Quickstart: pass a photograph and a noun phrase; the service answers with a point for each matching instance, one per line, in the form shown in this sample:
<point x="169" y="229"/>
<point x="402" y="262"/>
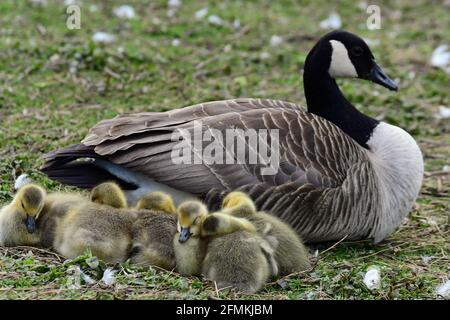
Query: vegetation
<point x="56" y="83"/>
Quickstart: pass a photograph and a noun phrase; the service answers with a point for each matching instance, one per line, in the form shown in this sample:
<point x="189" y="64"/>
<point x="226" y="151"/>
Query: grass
<point x="56" y="83"/>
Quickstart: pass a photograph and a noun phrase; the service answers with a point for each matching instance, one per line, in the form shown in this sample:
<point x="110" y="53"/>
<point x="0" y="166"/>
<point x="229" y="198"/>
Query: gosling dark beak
<point x="377" y="75"/>
<point x="184" y="235"/>
<point x="31" y="224"/>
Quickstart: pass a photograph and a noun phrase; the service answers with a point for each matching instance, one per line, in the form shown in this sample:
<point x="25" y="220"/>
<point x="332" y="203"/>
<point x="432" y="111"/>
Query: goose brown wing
<point x="311" y="150"/>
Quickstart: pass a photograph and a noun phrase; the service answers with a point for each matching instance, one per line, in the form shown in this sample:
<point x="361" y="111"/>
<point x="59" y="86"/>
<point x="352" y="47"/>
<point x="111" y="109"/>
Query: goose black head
<point x="350" y="57"/>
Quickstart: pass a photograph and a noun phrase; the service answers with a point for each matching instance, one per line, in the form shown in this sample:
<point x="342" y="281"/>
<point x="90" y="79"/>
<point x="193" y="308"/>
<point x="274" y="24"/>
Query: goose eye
<point x="357" y="51"/>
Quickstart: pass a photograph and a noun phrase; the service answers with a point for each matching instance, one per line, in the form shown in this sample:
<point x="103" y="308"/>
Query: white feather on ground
<point x="215" y="20"/>
<point x="22" y="180"/>
<point x="426" y="259"/>
<point x="201" y="13"/>
<point x="372" y="278"/>
<point x="176" y="42"/>
<point x="332" y="22"/>
<point x="264" y="55"/>
<point x="42" y="3"/>
<point x="103" y="37"/>
<point x="441" y="58"/>
<point x="444" y="289"/>
<point x="443" y="113"/>
<point x="275" y="40"/>
<point x="109" y="276"/>
<point x="174" y="3"/>
<point x="125" y="12"/>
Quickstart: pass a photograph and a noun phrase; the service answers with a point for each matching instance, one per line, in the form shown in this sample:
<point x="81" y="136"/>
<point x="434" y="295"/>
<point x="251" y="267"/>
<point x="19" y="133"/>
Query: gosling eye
<point x="23" y="207"/>
<point x="356" y="51"/>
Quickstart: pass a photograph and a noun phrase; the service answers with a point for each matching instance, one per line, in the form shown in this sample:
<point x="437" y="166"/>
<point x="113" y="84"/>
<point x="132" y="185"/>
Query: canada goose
<point x="109" y="193"/>
<point x="236" y="259"/>
<point x="289" y="252"/>
<point x="341" y="173"/>
<point x="18" y="219"/>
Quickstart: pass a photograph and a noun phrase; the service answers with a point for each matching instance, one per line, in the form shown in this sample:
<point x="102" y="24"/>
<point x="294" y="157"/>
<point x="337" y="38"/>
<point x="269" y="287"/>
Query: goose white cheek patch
<point x="341" y="65"/>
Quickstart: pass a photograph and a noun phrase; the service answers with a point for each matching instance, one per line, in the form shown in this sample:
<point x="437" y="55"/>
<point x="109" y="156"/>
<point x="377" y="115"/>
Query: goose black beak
<point x="377" y="75"/>
<point x="31" y="224"/>
<point x="184" y="235"/>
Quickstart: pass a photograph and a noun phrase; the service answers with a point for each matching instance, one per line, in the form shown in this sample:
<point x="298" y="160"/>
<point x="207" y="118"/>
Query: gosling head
<point x="109" y="193"/>
<point x="347" y="56"/>
<point x="29" y="202"/>
<point x="190" y="218"/>
<point x="238" y="202"/>
<point x="157" y="200"/>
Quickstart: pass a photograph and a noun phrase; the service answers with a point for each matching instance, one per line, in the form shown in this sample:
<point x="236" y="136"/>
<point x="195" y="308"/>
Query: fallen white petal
<point x="236" y="24"/>
<point x="22" y="180"/>
<point x="372" y="278"/>
<point x="332" y="22"/>
<point x="109" y="276"/>
<point x="103" y="37"/>
<point x="216" y="20"/>
<point x="125" y="12"/>
<point x="444" y="289"/>
<point x="201" y="13"/>
<point x="440" y="57"/>
<point x="275" y="40"/>
<point x="93" y="8"/>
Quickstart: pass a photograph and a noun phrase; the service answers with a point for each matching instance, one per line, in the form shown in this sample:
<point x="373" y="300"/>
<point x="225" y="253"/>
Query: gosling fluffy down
<point x="109" y="193"/>
<point x="18" y="219"/>
<point x="154" y="230"/>
<point x="78" y="224"/>
<point x="290" y="253"/>
<point x="189" y="246"/>
<point x="227" y="255"/>
<point x="237" y="260"/>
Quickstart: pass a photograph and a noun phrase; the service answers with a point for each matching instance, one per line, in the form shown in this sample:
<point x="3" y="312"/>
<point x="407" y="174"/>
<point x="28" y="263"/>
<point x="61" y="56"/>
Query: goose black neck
<point x="325" y="99"/>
